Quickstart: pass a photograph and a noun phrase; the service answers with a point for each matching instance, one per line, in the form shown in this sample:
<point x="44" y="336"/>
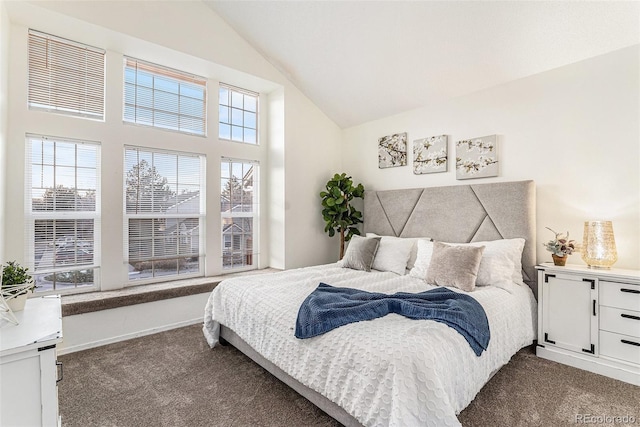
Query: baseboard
<point x="598" y="365"/>
<point x="99" y="343"/>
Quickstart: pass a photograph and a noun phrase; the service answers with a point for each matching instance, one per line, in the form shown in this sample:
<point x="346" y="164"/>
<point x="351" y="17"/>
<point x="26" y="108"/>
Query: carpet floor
<point x="174" y="379"/>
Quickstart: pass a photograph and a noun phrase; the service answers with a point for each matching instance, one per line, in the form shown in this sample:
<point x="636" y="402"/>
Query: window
<point x="164" y="98"/>
<point x="62" y="212"/>
<point x="164" y="213"/>
<point x="240" y="209"/>
<point x="238" y="114"/>
<point x="65" y="76"/>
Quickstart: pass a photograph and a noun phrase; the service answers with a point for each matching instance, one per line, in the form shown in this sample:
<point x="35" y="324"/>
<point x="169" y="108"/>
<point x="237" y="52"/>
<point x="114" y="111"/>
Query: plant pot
<point x="17" y="303"/>
<point x="559" y="260"/>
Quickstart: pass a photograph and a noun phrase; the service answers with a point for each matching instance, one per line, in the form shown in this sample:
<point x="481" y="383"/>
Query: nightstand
<point x="28" y="367"/>
<point x="590" y="319"/>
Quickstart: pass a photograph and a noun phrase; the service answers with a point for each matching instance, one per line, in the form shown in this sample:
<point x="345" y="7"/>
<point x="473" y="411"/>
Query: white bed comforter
<point x="391" y="371"/>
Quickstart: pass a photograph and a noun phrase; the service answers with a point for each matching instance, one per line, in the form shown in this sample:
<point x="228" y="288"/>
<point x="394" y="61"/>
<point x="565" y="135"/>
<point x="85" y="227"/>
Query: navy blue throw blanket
<point x="328" y="307"/>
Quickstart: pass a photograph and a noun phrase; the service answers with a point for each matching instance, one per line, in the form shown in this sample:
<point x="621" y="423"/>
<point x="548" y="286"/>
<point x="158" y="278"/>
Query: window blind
<point x="63" y="212"/>
<point x="65" y="76"/>
<point x="239" y="209"/>
<point x="164" y="98"/>
<point x="164" y="212"/>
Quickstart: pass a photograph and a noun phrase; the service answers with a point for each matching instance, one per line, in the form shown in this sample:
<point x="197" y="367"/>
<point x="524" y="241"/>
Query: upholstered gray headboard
<point x="461" y="213"/>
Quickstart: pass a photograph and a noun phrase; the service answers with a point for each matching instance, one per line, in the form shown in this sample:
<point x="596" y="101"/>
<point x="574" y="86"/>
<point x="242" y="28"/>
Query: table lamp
<point x="598" y="245"/>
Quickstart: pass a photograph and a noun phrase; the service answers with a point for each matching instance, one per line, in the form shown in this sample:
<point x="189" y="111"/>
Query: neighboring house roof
<point x="173" y="203"/>
<point x="231" y="228"/>
<point x="248" y="177"/>
<point x="242" y="208"/>
<point x="173" y="228"/>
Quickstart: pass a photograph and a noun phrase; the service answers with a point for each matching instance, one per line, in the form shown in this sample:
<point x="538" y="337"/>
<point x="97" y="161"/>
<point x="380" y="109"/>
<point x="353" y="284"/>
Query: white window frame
<point x="254" y="214"/>
<point x="51" y="60"/>
<point x="229" y="114"/>
<point x="133" y="216"/>
<point x="32" y="216"/>
<point x="164" y="73"/>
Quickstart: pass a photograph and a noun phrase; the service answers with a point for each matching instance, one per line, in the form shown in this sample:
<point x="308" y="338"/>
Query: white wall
<point x="574" y="130"/>
<point x="277" y="179"/>
<point x="4" y="87"/>
<point x="93" y="329"/>
<point x="312" y="157"/>
<point x="198" y="41"/>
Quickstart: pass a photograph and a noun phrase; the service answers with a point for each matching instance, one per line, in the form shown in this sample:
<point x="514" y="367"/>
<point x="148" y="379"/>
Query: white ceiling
<point x="363" y="60"/>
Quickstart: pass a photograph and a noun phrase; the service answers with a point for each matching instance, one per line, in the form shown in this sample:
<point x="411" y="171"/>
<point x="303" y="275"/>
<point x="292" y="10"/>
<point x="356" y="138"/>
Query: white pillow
<point x="501" y="261"/>
<point x="414" y="246"/>
<point x="423" y="259"/>
<point x="392" y="255"/>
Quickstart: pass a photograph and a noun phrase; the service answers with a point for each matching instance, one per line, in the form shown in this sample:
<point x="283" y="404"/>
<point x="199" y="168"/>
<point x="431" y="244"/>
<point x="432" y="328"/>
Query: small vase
<point x="17" y="303"/>
<point x="559" y="260"/>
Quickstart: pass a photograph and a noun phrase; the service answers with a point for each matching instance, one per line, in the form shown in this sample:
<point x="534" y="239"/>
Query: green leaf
<point x="337" y="211"/>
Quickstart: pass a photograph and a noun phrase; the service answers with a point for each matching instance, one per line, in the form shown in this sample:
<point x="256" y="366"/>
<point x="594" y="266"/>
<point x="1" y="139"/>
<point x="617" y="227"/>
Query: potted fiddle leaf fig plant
<point x="339" y="214"/>
<point x="16" y="285"/>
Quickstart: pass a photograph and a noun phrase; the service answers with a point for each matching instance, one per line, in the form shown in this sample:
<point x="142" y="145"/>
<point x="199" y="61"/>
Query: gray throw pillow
<point x="454" y="266"/>
<point x="360" y="253"/>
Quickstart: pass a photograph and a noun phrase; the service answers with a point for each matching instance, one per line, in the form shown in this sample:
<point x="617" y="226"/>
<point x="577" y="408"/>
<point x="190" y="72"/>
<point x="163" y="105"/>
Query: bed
<point x="393" y="370"/>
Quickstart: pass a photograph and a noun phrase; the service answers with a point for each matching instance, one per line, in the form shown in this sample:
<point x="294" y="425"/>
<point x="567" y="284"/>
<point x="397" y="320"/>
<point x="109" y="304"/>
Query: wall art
<point x="477" y="157"/>
<point x="392" y="150"/>
<point x="430" y="155"/>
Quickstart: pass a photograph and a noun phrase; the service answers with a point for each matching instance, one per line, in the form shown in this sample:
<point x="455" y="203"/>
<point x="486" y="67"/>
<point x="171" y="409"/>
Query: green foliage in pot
<point x="339" y="215"/>
<point x="13" y="274"/>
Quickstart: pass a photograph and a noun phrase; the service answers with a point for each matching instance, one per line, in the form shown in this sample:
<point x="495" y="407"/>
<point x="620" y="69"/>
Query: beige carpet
<point x="174" y="379"/>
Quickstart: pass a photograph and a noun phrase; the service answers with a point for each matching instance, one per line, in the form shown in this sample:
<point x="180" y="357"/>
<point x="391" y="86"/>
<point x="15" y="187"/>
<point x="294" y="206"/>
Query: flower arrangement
<point x="561" y="246"/>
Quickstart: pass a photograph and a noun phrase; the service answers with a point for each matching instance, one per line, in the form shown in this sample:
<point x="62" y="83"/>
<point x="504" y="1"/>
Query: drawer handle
<point x="628" y="316"/>
<point x="630" y="291"/>
<point x="637" y="344"/>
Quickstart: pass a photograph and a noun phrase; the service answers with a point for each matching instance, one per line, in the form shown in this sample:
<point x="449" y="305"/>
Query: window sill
<point x="96" y="301"/>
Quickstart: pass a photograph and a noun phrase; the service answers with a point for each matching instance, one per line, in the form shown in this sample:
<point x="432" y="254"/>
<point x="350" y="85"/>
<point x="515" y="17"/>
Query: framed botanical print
<point x="392" y="150"/>
<point x="430" y="155"/>
<point x="477" y="157"/>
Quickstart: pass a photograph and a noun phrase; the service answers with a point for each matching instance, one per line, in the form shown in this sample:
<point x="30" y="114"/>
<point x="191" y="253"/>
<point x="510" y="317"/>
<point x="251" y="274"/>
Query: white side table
<point x="590" y="319"/>
<point x="28" y="366"/>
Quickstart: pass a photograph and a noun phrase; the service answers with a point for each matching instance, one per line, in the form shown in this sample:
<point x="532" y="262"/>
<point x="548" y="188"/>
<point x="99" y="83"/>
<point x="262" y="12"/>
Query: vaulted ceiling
<point x="364" y="60"/>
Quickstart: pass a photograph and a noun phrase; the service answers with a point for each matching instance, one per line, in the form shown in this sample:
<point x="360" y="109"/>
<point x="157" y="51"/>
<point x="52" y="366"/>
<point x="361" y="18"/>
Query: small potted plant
<point x="560" y="247"/>
<point x="16" y="285"/>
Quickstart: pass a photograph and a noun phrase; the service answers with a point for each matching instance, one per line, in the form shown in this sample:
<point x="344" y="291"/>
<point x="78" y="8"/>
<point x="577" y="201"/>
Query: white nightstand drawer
<point x="620" y="295"/>
<point x="619" y="346"/>
<point x="626" y="322"/>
